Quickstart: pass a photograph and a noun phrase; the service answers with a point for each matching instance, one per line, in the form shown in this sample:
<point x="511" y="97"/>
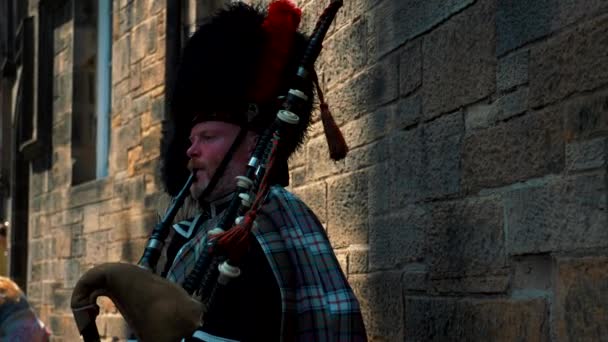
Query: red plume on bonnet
<point x="280" y="26"/>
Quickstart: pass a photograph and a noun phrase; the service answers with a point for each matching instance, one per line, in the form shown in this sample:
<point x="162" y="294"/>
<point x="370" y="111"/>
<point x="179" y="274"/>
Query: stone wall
<point x="109" y="219"/>
<point x="472" y="205"/>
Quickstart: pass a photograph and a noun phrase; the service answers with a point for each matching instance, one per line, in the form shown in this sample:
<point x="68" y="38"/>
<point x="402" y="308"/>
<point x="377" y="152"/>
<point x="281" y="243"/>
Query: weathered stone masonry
<point x="473" y="204"/>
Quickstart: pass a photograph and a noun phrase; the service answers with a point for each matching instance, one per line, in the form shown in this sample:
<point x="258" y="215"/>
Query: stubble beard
<point x="225" y="185"/>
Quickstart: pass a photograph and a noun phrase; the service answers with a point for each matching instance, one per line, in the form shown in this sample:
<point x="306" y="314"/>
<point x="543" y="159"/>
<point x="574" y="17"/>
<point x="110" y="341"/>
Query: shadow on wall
<point x="476" y="178"/>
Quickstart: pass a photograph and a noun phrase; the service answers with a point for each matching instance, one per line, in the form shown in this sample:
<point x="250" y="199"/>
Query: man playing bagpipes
<point x="255" y="264"/>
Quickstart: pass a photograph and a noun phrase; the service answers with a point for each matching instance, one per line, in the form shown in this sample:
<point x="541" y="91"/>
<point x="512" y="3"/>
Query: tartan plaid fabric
<point x="318" y="303"/>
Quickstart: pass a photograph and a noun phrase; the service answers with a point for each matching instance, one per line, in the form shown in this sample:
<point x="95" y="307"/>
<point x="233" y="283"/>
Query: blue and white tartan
<point x="317" y="302"/>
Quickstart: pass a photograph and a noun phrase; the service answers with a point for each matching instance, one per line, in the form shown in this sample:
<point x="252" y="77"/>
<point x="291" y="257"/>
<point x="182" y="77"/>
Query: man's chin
<point x="197" y="190"/>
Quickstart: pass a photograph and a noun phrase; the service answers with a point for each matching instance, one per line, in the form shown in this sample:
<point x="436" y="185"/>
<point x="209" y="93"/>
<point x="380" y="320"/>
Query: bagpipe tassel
<point x="335" y="140"/>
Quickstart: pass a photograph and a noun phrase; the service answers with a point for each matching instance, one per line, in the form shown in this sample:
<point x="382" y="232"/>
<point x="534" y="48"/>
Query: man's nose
<point x="193" y="151"/>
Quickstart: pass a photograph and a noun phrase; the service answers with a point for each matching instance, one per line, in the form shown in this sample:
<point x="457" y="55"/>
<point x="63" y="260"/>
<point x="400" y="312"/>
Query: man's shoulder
<point x="286" y="210"/>
<point x="280" y="194"/>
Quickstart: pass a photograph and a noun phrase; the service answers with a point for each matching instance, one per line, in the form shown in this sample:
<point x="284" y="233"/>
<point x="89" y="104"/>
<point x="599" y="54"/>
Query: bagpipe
<point x="159" y="310"/>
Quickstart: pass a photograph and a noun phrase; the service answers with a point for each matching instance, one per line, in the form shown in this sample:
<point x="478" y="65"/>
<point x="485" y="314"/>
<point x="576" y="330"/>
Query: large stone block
<point x="442" y="153"/>
<point x="350" y="12"/>
<point x="50" y="249"/>
<point x="447" y="319"/>
<point x="407" y="112"/>
<point x="139" y="39"/>
<point x="130" y="191"/>
<point x="368" y="128"/>
<point x="347" y="220"/>
<point x="54" y="201"/>
<point x="91" y="218"/>
<point x="478" y="116"/>
<point x="96" y="248"/>
<point x="112" y="220"/>
<point x="78" y="246"/>
<point x="113" y="327"/>
<point x="486" y="114"/>
<point x="35" y="273"/>
<point x="410" y="67"/>
<point x="90" y="192"/>
<point x="62" y="132"/>
<point x="121" y="50"/>
<point x="72" y="271"/>
<point x="563" y="215"/>
<point x="63" y="327"/>
<point x="63" y="35"/>
<point x="397" y="238"/>
<point x="509" y="105"/>
<point x="158" y="109"/>
<point x="155" y="6"/>
<point x="131" y="225"/>
<point x="368" y="155"/>
<point x="532" y="275"/>
<point x="522" y="148"/>
<point x="425" y="161"/>
<point x="129" y="135"/>
<point x="152" y="76"/>
<point x="297" y="176"/>
<point x="571" y="62"/>
<point x="587" y="155"/>
<point x="466" y="237"/>
<point x="379" y="190"/>
<point x="414" y="278"/>
<point x="36" y="250"/>
<point x="125" y="22"/>
<point x="323" y="166"/>
<point x="586" y="117"/>
<point x="139" y="105"/>
<point x="519" y="22"/>
<point x="63" y="241"/>
<point x="358" y="259"/>
<point x="62" y="101"/>
<point x="459" y="63"/>
<point x="39" y="225"/>
<point x="126" y="251"/>
<point x="151" y="142"/>
<point x="140" y="10"/>
<point x="344" y="53"/>
<point x="48" y="289"/>
<point x="34" y="291"/>
<point x="315" y="196"/>
<point x="121" y="101"/>
<point x="396" y="22"/>
<point x="382" y="304"/>
<point x="67" y="217"/>
<point x="52" y="271"/>
<point x="367" y="91"/>
<point x="496" y="283"/>
<point x="406" y="169"/>
<point x="581" y="305"/>
<point x="512" y="70"/>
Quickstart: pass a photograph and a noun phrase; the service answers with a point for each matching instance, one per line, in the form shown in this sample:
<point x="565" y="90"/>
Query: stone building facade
<point x="473" y="204"/>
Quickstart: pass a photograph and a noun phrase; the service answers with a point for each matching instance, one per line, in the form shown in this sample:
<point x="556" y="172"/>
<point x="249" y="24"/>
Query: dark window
<point x="84" y="120"/>
<point x="91" y="89"/>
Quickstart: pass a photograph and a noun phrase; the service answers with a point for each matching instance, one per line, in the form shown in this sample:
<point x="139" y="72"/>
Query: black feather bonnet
<point x="219" y="67"/>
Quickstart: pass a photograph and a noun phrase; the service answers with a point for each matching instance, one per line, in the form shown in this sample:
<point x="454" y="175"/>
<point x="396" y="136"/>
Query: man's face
<point x="210" y="141"/>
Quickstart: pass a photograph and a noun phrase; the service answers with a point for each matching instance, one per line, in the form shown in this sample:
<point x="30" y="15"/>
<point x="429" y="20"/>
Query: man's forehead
<point x="213" y="126"/>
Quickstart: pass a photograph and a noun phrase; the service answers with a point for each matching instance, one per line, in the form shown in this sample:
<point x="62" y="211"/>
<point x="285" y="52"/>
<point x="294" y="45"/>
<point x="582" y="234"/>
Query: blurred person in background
<point x="18" y="322"/>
